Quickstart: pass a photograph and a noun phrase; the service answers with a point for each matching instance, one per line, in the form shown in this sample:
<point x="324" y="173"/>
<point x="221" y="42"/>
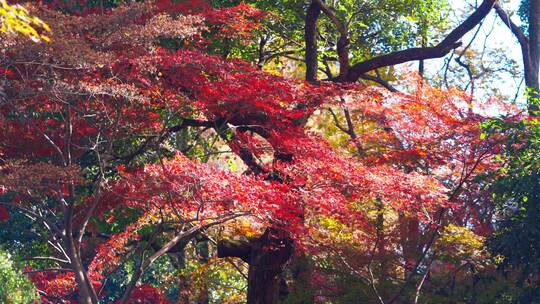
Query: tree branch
<point x="342" y="46"/>
<point x="167" y="247"/>
<point x="186" y="122"/>
<point x="234" y="248"/>
<point x="523" y="42"/>
<point x="440" y="50"/>
<point x="380" y="81"/>
<point x="522" y="39"/>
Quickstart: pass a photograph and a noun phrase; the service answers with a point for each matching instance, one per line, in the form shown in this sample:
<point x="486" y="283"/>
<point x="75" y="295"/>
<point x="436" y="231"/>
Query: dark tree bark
<point x="203" y="255"/>
<point x="342" y="45"/>
<point x="530" y="49"/>
<point x="267" y="257"/>
<point x="440" y="50"/>
<point x="310" y="36"/>
<point x="356" y="71"/>
<point x="534" y="46"/>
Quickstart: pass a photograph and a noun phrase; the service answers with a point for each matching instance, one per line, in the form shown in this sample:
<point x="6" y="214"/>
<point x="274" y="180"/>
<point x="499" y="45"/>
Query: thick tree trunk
<point x="529" y="48"/>
<point x="267" y="257"/>
<point x="312" y="63"/>
<point x="269" y="254"/>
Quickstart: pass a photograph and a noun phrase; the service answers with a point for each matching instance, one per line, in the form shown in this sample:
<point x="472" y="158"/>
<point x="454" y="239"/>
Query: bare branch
<point x="522" y="39"/>
<point x="380" y="81"/>
<point x="440" y="50"/>
<point x="48" y="258"/>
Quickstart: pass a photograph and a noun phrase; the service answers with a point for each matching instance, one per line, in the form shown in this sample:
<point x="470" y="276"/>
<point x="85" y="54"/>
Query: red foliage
<point x="4" y="213"/>
<point x="421" y="147"/>
<point x="235" y="22"/>
<point x="146" y="294"/>
<point x="6" y="72"/>
<point x="185" y="7"/>
<point x="57" y="285"/>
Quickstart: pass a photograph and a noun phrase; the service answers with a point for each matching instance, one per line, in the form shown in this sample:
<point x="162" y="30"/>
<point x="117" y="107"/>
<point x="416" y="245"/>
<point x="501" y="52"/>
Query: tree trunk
<point x="531" y="71"/>
<point x="267" y="257"/>
<point x="410" y="240"/>
<point x="269" y="254"/>
<point x="203" y="255"/>
<point x="87" y="294"/>
<point x="530" y="49"/>
<point x="312" y="63"/>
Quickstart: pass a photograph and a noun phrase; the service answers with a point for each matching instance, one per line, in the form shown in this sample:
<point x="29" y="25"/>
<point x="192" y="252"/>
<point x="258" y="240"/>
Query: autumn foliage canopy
<point x="129" y="135"/>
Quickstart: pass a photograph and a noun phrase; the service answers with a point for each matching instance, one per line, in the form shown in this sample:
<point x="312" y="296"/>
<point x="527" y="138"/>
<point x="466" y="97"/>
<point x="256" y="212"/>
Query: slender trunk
<point x="410" y="240"/>
<point x="312" y="63"/>
<point x="531" y="71"/>
<point x="203" y="254"/>
<point x="84" y="294"/>
<point x="87" y="294"/>
<point x="381" y="242"/>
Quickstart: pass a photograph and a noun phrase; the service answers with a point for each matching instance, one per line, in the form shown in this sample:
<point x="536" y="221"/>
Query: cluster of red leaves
<point x="109" y="254"/>
<point x="4" y="213"/>
<point x="57" y="285"/>
<point x="231" y="89"/>
<point x="332" y="182"/>
<point x="146" y="294"/>
<point x="31" y="181"/>
<point x="207" y="193"/>
<point x="184" y="7"/>
<point x="228" y="22"/>
<point x="85" y="7"/>
<point x="421" y="141"/>
<point x="434" y="132"/>
<point x="135" y="103"/>
<point x="184" y="190"/>
<point x="429" y="125"/>
<point x="235" y="92"/>
<point x="6" y="72"/>
<point x="236" y="22"/>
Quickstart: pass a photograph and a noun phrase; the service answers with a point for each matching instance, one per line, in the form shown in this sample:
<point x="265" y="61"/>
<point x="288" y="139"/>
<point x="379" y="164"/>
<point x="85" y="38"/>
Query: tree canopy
<point x="264" y="152"/>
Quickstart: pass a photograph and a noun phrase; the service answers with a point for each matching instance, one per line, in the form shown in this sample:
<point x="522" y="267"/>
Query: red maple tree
<point x="88" y="128"/>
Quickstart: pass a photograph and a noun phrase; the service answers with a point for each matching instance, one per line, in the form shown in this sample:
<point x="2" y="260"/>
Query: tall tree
<point x="530" y="47"/>
<point x="137" y="130"/>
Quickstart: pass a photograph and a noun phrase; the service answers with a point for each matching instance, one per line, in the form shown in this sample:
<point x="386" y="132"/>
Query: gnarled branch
<point x="440" y="50"/>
